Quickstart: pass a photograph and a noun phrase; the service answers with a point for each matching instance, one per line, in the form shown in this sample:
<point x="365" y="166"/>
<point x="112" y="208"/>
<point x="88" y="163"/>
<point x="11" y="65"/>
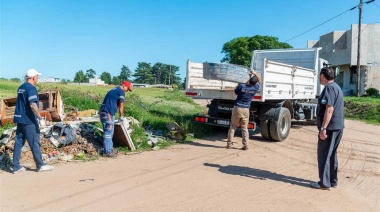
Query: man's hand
<point x="322" y="135"/>
<point x="121" y="119"/>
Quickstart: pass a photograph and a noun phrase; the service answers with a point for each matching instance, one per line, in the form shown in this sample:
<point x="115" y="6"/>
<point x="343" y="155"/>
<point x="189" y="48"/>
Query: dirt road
<point x="204" y="176"/>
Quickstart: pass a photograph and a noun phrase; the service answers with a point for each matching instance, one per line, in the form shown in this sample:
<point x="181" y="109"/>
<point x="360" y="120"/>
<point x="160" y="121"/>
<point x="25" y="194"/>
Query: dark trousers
<point x="328" y="158"/>
<point x="31" y="133"/>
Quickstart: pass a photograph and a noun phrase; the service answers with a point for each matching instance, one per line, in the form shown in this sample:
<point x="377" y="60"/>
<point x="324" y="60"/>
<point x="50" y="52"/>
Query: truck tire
<point x="264" y="129"/>
<point x="279" y="130"/>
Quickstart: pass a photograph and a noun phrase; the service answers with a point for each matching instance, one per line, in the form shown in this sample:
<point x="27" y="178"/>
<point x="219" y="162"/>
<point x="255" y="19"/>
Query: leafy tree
<point x="183" y="84"/>
<point x="90" y="73"/>
<point x="169" y="75"/>
<point x="15" y="80"/>
<point x="157" y="70"/>
<point x="116" y="80"/>
<point x="143" y="73"/>
<point x="80" y="77"/>
<point x="106" y="77"/>
<point x="239" y="50"/>
<point x="125" y="73"/>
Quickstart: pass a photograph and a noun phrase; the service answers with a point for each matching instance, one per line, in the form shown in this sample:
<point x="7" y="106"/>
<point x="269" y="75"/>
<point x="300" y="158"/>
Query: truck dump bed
<point x="286" y="74"/>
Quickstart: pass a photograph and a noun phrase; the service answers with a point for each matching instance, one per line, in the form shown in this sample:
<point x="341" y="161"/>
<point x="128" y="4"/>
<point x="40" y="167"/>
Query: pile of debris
<point x="59" y="142"/>
<point x="72" y="136"/>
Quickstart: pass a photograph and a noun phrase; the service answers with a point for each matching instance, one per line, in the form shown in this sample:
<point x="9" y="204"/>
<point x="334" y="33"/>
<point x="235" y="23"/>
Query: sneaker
<point x="45" y="168"/>
<point x="317" y="186"/>
<point x="110" y="155"/>
<point x="229" y="145"/>
<point x="22" y="169"/>
<point x="244" y="148"/>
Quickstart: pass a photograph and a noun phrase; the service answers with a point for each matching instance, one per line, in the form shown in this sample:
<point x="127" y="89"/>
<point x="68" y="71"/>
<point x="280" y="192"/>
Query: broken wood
<point x="122" y="137"/>
<point x="50" y="106"/>
<point x="87" y="113"/>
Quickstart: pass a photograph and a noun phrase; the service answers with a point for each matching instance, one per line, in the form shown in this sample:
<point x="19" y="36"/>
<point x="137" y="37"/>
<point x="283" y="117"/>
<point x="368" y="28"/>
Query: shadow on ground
<point x="259" y="174"/>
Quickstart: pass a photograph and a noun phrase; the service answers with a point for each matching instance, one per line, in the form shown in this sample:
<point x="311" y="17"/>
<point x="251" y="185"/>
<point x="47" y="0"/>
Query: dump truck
<point x="289" y="89"/>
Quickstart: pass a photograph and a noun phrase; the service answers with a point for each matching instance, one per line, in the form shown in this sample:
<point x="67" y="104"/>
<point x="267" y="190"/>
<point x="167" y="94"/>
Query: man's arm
<point x="258" y="78"/>
<point x="121" y="109"/>
<point x="34" y="108"/>
<point x="255" y="73"/>
<point x="326" y="120"/>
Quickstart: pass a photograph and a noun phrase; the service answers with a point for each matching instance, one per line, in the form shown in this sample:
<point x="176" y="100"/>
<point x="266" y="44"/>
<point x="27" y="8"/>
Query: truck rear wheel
<point x="279" y="130"/>
<point x="264" y="129"/>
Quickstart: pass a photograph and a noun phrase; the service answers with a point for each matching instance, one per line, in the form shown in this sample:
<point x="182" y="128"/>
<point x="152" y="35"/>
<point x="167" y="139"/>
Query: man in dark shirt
<point x="240" y="112"/>
<point x="113" y="100"/>
<point x="26" y="115"/>
<point x="330" y="119"/>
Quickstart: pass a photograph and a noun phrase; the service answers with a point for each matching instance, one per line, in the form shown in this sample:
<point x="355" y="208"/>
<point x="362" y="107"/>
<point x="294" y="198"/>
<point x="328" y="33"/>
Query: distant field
<point x="167" y="104"/>
<point x="153" y="107"/>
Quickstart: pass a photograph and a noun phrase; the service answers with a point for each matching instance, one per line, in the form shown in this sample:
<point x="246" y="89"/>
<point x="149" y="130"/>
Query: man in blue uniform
<point x="113" y="100"/>
<point x="330" y="125"/>
<point x="240" y="112"/>
<point x="26" y="115"/>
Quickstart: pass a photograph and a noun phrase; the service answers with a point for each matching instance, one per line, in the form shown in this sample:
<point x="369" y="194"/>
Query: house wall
<point x="369" y="44"/>
<point x="339" y="48"/>
<point x="373" y="77"/>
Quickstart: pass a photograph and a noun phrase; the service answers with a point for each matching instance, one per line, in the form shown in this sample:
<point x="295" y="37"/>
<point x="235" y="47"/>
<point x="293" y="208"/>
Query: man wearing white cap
<point x="26" y="115"/>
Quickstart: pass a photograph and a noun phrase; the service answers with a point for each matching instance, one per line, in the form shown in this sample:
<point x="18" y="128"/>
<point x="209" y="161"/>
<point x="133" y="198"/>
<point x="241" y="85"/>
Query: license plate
<point x="223" y="122"/>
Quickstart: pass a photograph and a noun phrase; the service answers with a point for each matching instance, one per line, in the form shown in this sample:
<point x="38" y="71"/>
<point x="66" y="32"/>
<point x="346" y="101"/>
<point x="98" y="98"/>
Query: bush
<point x="372" y="92"/>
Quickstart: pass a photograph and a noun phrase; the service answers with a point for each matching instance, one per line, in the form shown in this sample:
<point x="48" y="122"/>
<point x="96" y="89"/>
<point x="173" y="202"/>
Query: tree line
<point x="159" y="73"/>
<point x="237" y="51"/>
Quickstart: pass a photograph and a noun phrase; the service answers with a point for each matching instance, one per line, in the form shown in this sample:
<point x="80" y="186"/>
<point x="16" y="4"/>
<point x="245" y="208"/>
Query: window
<point x="353" y="75"/>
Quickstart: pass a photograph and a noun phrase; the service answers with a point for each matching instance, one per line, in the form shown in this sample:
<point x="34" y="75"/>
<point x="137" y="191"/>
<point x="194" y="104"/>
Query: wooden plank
<point x="50" y="106"/>
<point x="121" y="136"/>
<point x="59" y="103"/>
<point x="2" y="109"/>
<point x="86" y="113"/>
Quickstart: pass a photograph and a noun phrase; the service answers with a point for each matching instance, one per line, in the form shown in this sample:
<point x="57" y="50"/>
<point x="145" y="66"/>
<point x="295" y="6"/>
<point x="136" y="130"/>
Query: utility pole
<point x="358" y="56"/>
<point x="360" y="7"/>
<point x="170" y="70"/>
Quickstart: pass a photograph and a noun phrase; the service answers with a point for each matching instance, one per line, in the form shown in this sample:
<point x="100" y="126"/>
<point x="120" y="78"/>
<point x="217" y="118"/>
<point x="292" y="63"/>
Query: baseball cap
<point x="32" y="72"/>
<point x="128" y="84"/>
<point x="253" y="80"/>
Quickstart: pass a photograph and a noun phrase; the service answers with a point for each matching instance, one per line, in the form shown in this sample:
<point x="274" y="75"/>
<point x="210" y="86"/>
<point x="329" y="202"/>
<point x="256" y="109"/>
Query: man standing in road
<point x="240" y="112"/>
<point x="330" y="124"/>
<point x="26" y="115"/>
<point x="113" y="100"/>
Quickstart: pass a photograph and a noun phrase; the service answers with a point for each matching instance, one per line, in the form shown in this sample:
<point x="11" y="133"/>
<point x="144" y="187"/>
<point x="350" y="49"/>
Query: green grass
<point x="8" y="88"/>
<point x="153" y="107"/>
<point x="365" y="109"/>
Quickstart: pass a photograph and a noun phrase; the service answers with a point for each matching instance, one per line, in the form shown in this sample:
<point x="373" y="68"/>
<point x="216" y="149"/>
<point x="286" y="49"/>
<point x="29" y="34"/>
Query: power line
<point x="321" y="23"/>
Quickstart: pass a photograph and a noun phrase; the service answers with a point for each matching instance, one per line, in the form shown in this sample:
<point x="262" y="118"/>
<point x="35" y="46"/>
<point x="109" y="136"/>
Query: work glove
<point x="42" y="123"/>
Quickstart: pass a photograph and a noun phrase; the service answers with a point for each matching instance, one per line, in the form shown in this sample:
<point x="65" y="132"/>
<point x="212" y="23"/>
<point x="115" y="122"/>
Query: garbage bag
<point x="63" y="133"/>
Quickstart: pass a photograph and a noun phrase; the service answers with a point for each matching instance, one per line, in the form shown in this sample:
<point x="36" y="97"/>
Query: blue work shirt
<point x="332" y="95"/>
<point x="26" y="94"/>
<point x="245" y="94"/>
<point x="112" y="100"/>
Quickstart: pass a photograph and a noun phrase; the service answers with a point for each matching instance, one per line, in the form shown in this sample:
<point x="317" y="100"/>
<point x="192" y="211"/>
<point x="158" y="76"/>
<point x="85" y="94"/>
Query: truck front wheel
<point x="279" y="130"/>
